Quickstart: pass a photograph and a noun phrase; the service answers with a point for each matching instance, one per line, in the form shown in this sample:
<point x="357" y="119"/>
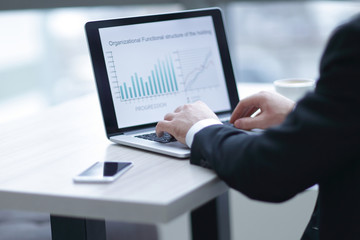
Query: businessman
<point x="317" y="142"/>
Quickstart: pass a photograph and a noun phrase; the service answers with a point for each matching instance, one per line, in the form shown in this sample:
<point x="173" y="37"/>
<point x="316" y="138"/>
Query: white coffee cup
<point x="294" y="88"/>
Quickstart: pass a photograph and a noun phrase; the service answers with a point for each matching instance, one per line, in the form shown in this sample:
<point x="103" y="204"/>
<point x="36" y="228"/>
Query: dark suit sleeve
<point x="319" y="138"/>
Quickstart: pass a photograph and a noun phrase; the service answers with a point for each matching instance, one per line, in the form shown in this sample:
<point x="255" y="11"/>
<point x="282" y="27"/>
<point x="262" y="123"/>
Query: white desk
<point x="39" y="156"/>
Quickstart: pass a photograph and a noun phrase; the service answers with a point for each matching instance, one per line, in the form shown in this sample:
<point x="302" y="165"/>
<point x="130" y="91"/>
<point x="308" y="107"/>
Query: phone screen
<point x="103" y="171"/>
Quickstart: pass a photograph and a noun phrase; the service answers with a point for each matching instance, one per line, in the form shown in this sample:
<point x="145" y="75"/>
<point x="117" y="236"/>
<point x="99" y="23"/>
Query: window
<point x="44" y="56"/>
<point x="273" y="40"/>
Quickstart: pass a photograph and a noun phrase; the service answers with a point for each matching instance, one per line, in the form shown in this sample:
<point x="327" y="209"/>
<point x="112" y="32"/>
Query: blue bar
<point x="126" y="93"/>
<point x="122" y="93"/>
<point x="168" y="68"/>
<point x="166" y="77"/>
<point x="133" y="83"/>
<point x="153" y="77"/>
<point x="162" y="77"/>
<point x="151" y="87"/>
<point x="137" y="84"/>
<point x="173" y="70"/>
<point x="158" y="79"/>
<point x="131" y="96"/>
<point x="142" y="86"/>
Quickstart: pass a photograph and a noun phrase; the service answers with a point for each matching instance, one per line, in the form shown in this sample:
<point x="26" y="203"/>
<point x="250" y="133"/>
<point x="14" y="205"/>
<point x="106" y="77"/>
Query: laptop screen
<point x="157" y="66"/>
<point x="147" y="66"/>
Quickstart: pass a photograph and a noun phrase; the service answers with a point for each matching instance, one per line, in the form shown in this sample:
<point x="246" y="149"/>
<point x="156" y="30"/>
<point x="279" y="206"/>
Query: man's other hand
<point x="273" y="110"/>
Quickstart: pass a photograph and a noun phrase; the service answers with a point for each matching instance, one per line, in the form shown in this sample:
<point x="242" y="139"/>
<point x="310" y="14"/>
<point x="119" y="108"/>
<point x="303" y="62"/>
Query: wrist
<point x="198" y="126"/>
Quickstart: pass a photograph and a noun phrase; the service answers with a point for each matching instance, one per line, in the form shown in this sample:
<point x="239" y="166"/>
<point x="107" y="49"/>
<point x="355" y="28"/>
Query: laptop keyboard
<point x="166" y="138"/>
<point x="227" y="123"/>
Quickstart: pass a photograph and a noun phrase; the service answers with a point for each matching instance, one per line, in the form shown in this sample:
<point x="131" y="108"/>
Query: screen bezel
<point x="100" y="71"/>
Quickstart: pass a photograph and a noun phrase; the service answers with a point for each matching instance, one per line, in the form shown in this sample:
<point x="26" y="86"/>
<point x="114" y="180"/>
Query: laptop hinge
<point x="115" y="134"/>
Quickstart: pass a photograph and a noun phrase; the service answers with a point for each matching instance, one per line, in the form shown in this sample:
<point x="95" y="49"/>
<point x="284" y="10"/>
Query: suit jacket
<point x="318" y="143"/>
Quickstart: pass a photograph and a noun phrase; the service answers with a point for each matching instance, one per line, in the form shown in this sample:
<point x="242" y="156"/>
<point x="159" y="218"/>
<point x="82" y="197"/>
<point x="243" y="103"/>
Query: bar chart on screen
<point x="176" y="72"/>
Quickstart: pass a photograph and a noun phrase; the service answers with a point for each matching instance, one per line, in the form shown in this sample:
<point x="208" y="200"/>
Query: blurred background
<point x="44" y="57"/>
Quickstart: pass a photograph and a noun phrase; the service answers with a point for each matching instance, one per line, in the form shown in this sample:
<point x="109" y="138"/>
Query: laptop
<point x="147" y="66"/>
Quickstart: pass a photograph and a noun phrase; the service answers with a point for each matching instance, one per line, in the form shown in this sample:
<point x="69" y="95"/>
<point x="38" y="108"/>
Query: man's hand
<point x="274" y="109"/>
<point x="178" y="123"/>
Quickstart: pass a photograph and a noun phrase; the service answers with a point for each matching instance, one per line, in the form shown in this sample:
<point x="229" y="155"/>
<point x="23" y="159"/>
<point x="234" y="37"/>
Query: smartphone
<point x="103" y="172"/>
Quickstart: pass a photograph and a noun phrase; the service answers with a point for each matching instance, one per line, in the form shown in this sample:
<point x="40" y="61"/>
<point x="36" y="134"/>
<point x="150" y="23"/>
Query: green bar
<point x="153" y="77"/>
<point x="126" y="93"/>
<point x="158" y="79"/>
<point x="131" y="96"/>
<point x="166" y="77"/>
<point x="168" y="68"/>
<point x="142" y="86"/>
<point x="133" y="83"/>
<point x="137" y="84"/>
<point x="151" y="87"/>
<point x="162" y="77"/>
<point x="173" y="70"/>
<point x="122" y="93"/>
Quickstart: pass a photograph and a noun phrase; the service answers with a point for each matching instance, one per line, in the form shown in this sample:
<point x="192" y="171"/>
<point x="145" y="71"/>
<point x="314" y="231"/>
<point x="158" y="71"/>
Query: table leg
<point x="77" y="228"/>
<point x="211" y="221"/>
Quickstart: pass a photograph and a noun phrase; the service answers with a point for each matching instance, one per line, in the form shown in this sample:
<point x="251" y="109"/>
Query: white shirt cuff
<point x="197" y="127"/>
